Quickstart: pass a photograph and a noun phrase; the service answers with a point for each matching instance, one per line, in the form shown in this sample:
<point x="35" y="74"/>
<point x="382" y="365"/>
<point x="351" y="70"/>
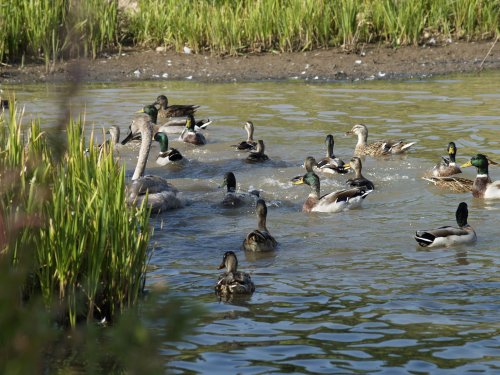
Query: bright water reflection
<point x="347" y="292"/>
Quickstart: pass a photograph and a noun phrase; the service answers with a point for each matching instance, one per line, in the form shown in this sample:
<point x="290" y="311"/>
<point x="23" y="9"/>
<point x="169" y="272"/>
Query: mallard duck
<point x="447" y="236"/>
<point x="447" y="167"/>
<point x="359" y="180"/>
<point x="260" y="239"/>
<point x="190" y="135"/>
<point x="378" y="148"/>
<point x="232" y="198"/>
<point x="166" y="155"/>
<point x="334" y="202"/>
<point x="249" y="144"/>
<point x="330" y="164"/>
<point x="161" y="195"/>
<point x="310" y="165"/>
<point x="233" y="281"/>
<point x="483" y="187"/>
<point x="179" y="110"/>
<point x="257" y="156"/>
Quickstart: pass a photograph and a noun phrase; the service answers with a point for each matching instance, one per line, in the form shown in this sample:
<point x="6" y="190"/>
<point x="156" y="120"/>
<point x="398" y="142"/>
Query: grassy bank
<point x="48" y="30"/>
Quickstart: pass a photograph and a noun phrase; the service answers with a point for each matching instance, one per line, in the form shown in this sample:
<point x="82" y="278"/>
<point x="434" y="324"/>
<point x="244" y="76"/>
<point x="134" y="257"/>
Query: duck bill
<point x="222" y="265"/>
<point x="298" y="180"/>
<point x="140" y="111"/>
<point x="451" y="151"/>
<point x="347" y="166"/>
<point x="349" y="133"/>
<point x="128" y="138"/>
<point x="468" y="164"/>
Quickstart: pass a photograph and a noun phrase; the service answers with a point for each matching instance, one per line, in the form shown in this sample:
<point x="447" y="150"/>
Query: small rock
<point x="358" y="62"/>
<point x="187" y="50"/>
<point x="165" y="75"/>
<point x="189" y="77"/>
<point x="137" y="73"/>
<point x="156" y="76"/>
<point x="380" y="74"/>
<point x="161" y="49"/>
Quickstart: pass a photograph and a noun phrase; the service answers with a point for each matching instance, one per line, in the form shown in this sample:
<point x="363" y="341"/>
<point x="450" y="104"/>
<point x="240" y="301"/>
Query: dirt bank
<point x="372" y="62"/>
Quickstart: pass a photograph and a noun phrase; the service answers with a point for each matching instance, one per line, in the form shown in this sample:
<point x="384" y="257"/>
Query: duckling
<point x="232" y="198"/>
<point x="258" y="155"/>
<point x="447" y="236"/>
<point x="330" y="164"/>
<point x="190" y="135"/>
<point x="334" y="202"/>
<point x="178" y="110"/>
<point x="483" y="187"/>
<point x="166" y="155"/>
<point x="233" y="281"/>
<point x="260" y="239"/>
<point x="359" y="180"/>
<point x="249" y="144"/>
<point x="378" y="148"/>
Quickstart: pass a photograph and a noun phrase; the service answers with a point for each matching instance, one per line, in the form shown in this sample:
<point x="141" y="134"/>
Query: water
<point x="347" y="292"/>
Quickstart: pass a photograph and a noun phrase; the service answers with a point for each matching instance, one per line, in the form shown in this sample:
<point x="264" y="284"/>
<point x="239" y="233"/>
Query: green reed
<point x="87" y="247"/>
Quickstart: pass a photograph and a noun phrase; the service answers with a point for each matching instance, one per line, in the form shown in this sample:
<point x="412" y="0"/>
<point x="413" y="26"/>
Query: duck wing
<point x="361" y="183"/>
<point x="151" y="184"/>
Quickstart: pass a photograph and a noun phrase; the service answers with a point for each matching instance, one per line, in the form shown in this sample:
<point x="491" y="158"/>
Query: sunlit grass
<point x="87" y="247"/>
<point x="48" y="30"/>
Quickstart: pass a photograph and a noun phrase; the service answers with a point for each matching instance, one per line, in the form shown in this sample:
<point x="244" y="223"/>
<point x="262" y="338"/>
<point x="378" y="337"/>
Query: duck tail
<point x="424" y="239"/>
<point x="407" y="146"/>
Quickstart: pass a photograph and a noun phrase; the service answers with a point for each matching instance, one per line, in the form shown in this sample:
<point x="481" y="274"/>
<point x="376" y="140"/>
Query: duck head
<point x="229" y="262"/>
<point x="162" y="101"/>
<point x="480" y="162"/>
<point x="162" y="139"/>
<point x="229" y="181"/>
<point x="452" y="151"/>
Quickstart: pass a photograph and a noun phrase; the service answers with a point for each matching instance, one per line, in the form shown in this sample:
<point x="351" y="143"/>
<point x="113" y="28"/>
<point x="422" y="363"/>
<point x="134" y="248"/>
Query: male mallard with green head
<point x="447" y="235"/>
<point x="178" y="110"/>
<point x="377" y="148"/>
<point x="166" y="155"/>
<point x="190" y="135"/>
<point x="330" y="164"/>
<point x="483" y="187"/>
<point x="334" y="202"/>
<point x="359" y="180"/>
<point x="442" y="173"/>
<point x="260" y="239"/>
<point x="232" y="198"/>
<point x="233" y="281"/>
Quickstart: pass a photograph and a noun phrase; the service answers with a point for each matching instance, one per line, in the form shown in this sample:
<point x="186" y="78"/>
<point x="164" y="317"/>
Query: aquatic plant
<point x="88" y="250"/>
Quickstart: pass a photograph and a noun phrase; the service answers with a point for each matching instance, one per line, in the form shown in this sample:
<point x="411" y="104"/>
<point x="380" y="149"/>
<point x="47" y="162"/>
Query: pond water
<point x="346" y="292"/>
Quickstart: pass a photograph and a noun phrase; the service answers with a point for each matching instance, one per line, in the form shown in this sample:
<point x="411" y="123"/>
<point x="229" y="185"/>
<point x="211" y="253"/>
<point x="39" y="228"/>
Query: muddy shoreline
<point x="370" y="62"/>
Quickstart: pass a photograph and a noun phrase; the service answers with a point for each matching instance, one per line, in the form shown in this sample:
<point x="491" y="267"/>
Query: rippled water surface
<point x="347" y="292"/>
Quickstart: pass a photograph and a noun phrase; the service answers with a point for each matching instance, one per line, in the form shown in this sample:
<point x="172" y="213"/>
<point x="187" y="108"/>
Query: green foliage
<point x="50" y="29"/>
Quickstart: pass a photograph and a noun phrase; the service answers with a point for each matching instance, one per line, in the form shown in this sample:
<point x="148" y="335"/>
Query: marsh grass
<point x="69" y="219"/>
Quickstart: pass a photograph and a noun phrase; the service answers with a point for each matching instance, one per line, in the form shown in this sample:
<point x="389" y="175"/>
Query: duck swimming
<point x="260" y="240"/>
<point x="162" y="195"/>
<point x="483" y="187"/>
<point x="334" y="202"/>
<point x="448" y="236"/>
<point x="257" y="156"/>
<point x="166" y="111"/>
<point x="359" y="180"/>
<point x="232" y="198"/>
<point x="190" y="135"/>
<point x="330" y="164"/>
<point x="166" y="155"/>
<point x="447" y="166"/>
<point x="249" y="144"/>
<point x="377" y="148"/>
<point x="232" y="281"/>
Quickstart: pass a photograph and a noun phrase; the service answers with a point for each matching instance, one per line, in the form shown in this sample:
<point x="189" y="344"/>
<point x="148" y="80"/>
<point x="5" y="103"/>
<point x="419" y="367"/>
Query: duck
<point x="448" y="235"/>
<point x="114" y="132"/>
<point x="174" y="124"/>
<point x="337" y="201"/>
<point x="257" y="156"/>
<point x="232" y="198"/>
<point x="359" y="180"/>
<point x="166" y="111"/>
<point x="249" y="144"/>
<point x="483" y="187"/>
<point x="330" y="164"/>
<point x="260" y="240"/>
<point x="310" y="165"/>
<point x="162" y="195"/>
<point x="447" y="167"/>
<point x="378" y="148"/>
<point x="190" y="135"/>
<point x="166" y="155"/>
<point x="232" y="281"/>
